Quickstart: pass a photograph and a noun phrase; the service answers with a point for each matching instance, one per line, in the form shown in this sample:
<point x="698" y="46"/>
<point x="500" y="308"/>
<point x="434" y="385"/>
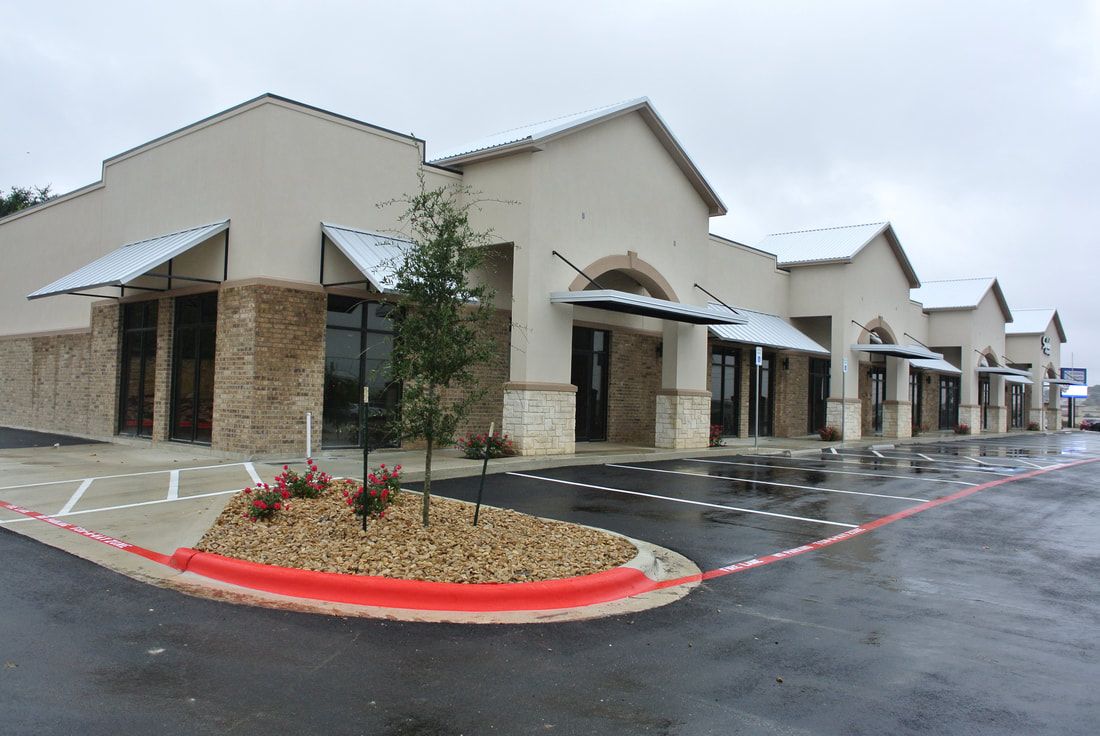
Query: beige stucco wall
<point x="1028" y="350"/>
<point x="602" y="191"/>
<point x="274" y="169"/>
<point x="974" y="332"/>
<point x="872" y="290"/>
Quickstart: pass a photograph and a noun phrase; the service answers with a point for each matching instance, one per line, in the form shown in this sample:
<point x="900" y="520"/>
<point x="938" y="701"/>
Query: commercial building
<point x="222" y="281"/>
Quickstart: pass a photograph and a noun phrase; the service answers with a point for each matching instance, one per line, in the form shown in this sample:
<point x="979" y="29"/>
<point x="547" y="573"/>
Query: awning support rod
<point x="906" y="334"/>
<point x="93" y="296"/>
<point x="171" y="276"/>
<point x="875" y="337"/>
<point x="712" y="296"/>
<point x="582" y="273"/>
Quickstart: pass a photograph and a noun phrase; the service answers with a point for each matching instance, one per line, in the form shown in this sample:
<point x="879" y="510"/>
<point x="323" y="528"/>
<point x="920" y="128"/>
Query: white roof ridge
<point x="622" y="103"/>
<point x="961" y="278"/>
<point x="835" y="227"/>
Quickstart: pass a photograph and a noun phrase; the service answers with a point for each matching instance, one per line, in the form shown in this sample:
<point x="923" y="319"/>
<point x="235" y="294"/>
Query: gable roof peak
<point x="531" y="137"/>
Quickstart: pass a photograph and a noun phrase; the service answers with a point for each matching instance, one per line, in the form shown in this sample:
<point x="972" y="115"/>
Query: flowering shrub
<point x="310" y="485"/>
<point x="829" y="434"/>
<point x="716" y="435"/>
<point x="962" y="429"/>
<point x="474" y="445"/>
<point x="1032" y="426"/>
<point x="377" y="494"/>
<point x="264" y="501"/>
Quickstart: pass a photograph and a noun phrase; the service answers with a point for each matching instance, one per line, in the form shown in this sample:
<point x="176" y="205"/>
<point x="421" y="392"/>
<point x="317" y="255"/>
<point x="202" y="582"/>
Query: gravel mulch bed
<point x="506" y="547"/>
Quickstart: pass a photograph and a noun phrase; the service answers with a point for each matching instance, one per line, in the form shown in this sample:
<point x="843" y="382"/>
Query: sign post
<point x="756" y="413"/>
<point x="844" y="402"/>
<point x="484" y="469"/>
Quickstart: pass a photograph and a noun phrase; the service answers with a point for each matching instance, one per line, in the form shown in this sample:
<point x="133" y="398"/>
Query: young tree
<point x="440" y="319"/>
<point x="22" y="197"/>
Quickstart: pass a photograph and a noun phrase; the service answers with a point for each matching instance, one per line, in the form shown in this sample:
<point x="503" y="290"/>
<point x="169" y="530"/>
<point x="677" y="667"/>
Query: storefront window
<point x="358" y="344"/>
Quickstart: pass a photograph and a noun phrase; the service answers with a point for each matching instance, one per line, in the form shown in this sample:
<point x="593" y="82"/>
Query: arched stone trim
<point x="882" y="328"/>
<point x="641" y="271"/>
<point x="990" y="356"/>
<point x="1051" y="373"/>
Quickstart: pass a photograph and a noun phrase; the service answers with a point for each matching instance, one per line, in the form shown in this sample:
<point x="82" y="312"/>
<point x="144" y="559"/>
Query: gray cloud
<point x="972" y="126"/>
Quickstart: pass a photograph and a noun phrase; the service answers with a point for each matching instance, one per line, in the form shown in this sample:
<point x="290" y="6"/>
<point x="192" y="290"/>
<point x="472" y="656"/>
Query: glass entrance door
<point x="766" y="390"/>
<point x="983" y="400"/>
<point x="916" y="399"/>
<point x="591" y="357"/>
<point x="878" y="398"/>
<point x="725" y="393"/>
<point x="819" y="394"/>
<point x="358" y="343"/>
<point x="138" y="380"/>
<point x="1016" y="401"/>
<point x="193" y="368"/>
<point x="949" y="402"/>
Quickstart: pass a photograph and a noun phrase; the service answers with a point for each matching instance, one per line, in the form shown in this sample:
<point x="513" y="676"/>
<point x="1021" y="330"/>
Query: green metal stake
<point x="366" y="452"/>
<point x="484" y="468"/>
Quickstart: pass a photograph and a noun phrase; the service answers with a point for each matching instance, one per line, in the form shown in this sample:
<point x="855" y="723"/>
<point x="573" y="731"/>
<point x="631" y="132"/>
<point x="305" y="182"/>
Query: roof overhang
<point x="375" y="255"/>
<point x="1000" y="370"/>
<point x="935" y="364"/>
<point x="132" y="261"/>
<point x="898" y="351"/>
<point x="644" y="306"/>
<point x="1018" y="379"/>
<point x="1060" y="382"/>
<point x="641" y="105"/>
<point x="765" y="330"/>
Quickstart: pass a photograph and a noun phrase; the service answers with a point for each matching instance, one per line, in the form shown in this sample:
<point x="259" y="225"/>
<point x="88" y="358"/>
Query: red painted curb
<point x="586" y="590"/>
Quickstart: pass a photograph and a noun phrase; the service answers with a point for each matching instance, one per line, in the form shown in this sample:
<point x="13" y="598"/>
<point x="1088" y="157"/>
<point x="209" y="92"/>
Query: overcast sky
<point x="972" y="126"/>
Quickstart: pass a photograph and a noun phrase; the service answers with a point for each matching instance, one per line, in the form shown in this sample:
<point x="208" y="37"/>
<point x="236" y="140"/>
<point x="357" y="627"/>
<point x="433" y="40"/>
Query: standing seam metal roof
<point x="766" y="330"/>
<point x="127" y="263"/>
<point x="825" y="244"/>
<point x="376" y="255"/>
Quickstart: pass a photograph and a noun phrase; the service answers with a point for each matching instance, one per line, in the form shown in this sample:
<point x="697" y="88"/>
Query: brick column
<point x="162" y="371"/>
<point x="269" y="368"/>
<point x="845" y="415"/>
<point x="103" y="374"/>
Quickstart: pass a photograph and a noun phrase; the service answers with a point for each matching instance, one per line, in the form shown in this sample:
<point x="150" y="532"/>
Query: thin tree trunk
<point x="427" y="481"/>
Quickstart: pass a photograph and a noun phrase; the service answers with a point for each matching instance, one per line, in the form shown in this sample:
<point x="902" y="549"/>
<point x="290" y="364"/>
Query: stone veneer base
<point x="541" y="419"/>
<point x="683" y="419"/>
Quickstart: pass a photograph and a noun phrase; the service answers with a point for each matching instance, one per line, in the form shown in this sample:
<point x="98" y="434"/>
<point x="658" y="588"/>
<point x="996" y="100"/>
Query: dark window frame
<point x="146" y="335"/>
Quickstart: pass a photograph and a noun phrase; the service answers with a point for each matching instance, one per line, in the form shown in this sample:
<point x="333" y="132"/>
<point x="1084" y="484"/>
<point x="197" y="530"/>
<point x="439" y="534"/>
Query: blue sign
<point x="1077" y="375"/>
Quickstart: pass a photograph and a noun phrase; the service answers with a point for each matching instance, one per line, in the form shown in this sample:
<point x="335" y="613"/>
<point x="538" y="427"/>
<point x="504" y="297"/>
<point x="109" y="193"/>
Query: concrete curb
<point x="621" y="582"/>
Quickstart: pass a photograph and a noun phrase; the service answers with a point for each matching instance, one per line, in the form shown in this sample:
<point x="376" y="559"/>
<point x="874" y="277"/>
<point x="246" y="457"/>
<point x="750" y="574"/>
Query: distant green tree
<point x="440" y="322"/>
<point x="22" y="197"/>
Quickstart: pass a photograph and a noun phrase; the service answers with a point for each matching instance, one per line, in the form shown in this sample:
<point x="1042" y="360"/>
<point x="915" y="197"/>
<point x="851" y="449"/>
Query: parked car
<point x="1091" y="423"/>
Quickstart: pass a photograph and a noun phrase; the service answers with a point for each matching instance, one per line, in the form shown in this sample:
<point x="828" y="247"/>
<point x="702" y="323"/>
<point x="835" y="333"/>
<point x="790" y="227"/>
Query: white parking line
<point x="767" y="483"/>
<point x="75" y="497"/>
<point x="173" y="485"/>
<point x="877" y="453"/>
<point x="948" y="458"/>
<point x="120" y="475"/>
<point x="827" y="470"/>
<point x="685" y="501"/>
<point x="128" y="505"/>
<point x="253" y="474"/>
<point x="955" y="468"/>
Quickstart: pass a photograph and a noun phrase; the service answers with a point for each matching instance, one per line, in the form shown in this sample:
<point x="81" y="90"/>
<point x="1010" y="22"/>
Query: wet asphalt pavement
<point x="19" y="438"/>
<point x="977" y="617"/>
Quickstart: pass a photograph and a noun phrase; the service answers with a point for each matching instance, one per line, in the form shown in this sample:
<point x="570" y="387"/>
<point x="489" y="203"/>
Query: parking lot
<point x="975" y="616"/>
<point x="719" y="511"/>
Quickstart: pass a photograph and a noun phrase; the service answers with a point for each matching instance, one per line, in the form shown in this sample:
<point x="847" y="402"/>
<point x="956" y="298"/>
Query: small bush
<point x="962" y="429"/>
<point x="376" y="494"/>
<point x="829" y="434"/>
<point x="264" y="501"/>
<point x="716" y="436"/>
<point x="310" y="485"/>
<point x="474" y="446"/>
<point x="1032" y="426"/>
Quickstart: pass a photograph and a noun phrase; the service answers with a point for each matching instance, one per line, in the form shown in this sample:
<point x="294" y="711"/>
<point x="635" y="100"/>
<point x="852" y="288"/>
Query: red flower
<point x="248" y="490"/>
<point x="374" y="493"/>
<point x="278" y="506"/>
